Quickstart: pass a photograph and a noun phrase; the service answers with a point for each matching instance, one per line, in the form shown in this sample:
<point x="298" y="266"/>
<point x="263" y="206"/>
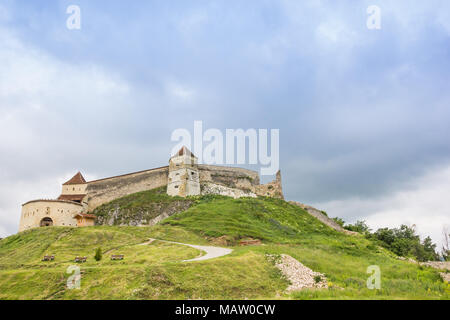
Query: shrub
<point x="360" y="226"/>
<point x="405" y="242"/>
<point x="98" y="254"/>
<point x="339" y="221"/>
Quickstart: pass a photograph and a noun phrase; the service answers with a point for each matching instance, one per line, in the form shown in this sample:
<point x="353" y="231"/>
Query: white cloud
<point x="180" y="94"/>
<point x="424" y="203"/>
<point x="30" y="76"/>
<point x="41" y="94"/>
<point x="44" y="104"/>
<point x="335" y="33"/>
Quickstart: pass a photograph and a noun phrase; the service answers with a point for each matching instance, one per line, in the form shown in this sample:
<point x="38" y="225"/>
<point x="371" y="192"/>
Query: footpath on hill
<point x="211" y="252"/>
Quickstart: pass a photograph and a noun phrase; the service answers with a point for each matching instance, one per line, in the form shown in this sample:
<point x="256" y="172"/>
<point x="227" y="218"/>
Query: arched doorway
<point x="46" y="222"/>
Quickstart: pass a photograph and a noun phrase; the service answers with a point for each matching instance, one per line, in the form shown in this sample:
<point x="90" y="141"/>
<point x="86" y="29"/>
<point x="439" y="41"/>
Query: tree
<point x="429" y="250"/>
<point x="446" y="244"/>
<point x="405" y="242"/>
<point x="385" y="235"/>
<point x="360" y="226"/>
<point x="98" y="254"/>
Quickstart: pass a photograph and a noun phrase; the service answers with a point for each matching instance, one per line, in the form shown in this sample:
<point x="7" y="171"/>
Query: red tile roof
<point x="76" y="179"/>
<point x="86" y="215"/>
<point x="185" y="151"/>
<point x="71" y="197"/>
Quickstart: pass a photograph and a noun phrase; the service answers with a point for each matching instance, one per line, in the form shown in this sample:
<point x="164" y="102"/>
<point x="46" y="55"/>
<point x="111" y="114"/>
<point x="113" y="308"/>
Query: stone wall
<point x="231" y="177"/>
<point x="61" y="213"/>
<point x="212" y="177"/>
<point x="272" y="189"/>
<point x="105" y="190"/>
<point x="211" y="188"/>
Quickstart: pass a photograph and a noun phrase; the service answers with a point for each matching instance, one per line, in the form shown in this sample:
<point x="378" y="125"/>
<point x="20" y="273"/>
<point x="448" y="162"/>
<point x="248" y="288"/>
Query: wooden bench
<point x="48" y="258"/>
<point x="117" y="257"/>
<point x="80" y="259"/>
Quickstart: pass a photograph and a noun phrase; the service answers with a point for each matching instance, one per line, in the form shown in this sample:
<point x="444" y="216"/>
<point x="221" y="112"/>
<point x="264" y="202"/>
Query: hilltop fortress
<point x="182" y="177"/>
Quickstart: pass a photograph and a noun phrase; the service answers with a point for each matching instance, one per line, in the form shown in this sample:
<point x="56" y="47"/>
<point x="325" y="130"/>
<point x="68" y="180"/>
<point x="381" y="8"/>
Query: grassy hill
<point x="156" y="271"/>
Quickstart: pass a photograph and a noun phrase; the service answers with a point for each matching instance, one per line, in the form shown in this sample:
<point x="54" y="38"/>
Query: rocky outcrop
<point x="148" y="215"/>
<point x="322" y="217"/>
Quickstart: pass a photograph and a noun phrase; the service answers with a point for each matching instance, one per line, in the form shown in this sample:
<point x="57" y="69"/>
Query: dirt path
<point x="211" y="252"/>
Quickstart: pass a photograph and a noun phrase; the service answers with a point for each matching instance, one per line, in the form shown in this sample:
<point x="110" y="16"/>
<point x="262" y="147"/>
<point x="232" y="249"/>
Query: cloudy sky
<point x="364" y="115"/>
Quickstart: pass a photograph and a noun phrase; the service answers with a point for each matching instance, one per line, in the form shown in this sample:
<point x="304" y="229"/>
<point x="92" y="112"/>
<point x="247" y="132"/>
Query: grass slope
<point x="156" y="271"/>
<point x="271" y="220"/>
<point x="139" y="208"/>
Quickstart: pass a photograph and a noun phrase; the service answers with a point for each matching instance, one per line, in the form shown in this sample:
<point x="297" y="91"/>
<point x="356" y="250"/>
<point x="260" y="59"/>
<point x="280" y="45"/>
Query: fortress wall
<point x="105" y="190"/>
<point x="61" y="213"/>
<point x="272" y="189"/>
<point x="238" y="178"/>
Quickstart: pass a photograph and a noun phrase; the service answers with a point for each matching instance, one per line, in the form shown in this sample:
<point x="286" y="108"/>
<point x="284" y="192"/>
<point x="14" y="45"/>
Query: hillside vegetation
<point x="157" y="270"/>
<point x="140" y="208"/>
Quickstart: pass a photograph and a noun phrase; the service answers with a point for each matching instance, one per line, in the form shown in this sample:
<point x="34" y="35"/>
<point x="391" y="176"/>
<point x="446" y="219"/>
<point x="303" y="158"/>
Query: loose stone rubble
<point x="300" y="276"/>
<point x="407" y="259"/>
<point x="444" y="265"/>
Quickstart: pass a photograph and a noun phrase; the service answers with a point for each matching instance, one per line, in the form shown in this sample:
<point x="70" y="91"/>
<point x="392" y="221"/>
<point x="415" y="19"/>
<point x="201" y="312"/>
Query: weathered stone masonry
<point x="183" y="177"/>
<point x="106" y="190"/>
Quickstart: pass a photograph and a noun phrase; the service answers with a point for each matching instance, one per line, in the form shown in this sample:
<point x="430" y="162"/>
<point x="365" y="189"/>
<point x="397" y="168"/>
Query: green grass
<point x="139" y="208"/>
<point x="154" y="271"/>
<point x="271" y="220"/>
<point x="157" y="271"/>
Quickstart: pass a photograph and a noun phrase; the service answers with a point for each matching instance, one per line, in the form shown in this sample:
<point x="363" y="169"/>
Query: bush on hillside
<point x="405" y="242"/>
<point x="360" y="226"/>
<point x="402" y="241"/>
<point x="98" y="254"/>
<point x="339" y="221"/>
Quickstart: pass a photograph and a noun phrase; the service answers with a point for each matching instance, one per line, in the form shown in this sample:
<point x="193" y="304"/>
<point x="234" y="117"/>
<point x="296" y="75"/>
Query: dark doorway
<point x="46" y="222"/>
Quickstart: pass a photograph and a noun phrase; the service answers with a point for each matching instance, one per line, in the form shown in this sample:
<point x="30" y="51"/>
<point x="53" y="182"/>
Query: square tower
<point x="184" y="177"/>
<point x="74" y="189"/>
